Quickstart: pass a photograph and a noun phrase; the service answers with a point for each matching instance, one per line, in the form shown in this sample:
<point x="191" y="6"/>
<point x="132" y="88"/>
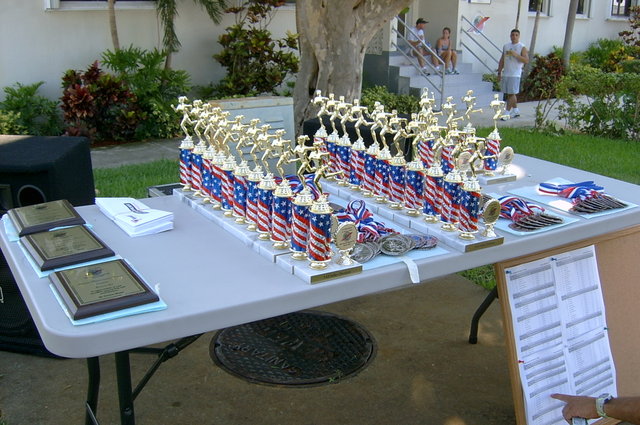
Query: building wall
<point x="38" y="45"/>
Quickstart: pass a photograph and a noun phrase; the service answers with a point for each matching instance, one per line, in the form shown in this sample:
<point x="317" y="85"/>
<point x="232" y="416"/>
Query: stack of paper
<point x="134" y="217"/>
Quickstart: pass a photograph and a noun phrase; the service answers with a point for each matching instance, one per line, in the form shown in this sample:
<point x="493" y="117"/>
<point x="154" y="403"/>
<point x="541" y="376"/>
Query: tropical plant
<point x="98" y="105"/>
<point x="256" y="63"/>
<point x="168" y="11"/>
<point x="155" y="88"/>
<point x="403" y="103"/>
<point x="26" y="112"/>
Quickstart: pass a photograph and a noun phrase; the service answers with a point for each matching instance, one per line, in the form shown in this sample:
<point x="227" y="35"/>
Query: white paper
<point x="134" y="217"/>
<point x="560" y="332"/>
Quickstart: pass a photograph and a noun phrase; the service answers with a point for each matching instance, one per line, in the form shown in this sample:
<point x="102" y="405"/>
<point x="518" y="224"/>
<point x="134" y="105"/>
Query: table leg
<point x="123" y="373"/>
<point x="93" y="367"/>
<point x="473" y="333"/>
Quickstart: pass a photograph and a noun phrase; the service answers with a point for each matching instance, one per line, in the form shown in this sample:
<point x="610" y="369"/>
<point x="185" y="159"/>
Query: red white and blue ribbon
<point x="265" y="203"/>
<point x="207" y="177"/>
<point x="514" y="208"/>
<point x="382" y="177"/>
<point x="344" y="155"/>
<point x="368" y="228"/>
<point x="299" y="227"/>
<point x="573" y="191"/>
<point x="448" y="212"/>
<point x="281" y="219"/>
<point x="185" y="166"/>
<point x="216" y="183"/>
<point x="356" y="167"/>
<point x="492" y="148"/>
<point x="227" y="189"/>
<point x="425" y="152"/>
<point x="447" y="158"/>
<point x="318" y="247"/>
<point x="369" y="175"/>
<point x="433" y="195"/>
<point x="397" y="183"/>
<point x="252" y="202"/>
<point x="196" y="171"/>
<point x="240" y="188"/>
<point x="469" y="211"/>
<point x="414" y="190"/>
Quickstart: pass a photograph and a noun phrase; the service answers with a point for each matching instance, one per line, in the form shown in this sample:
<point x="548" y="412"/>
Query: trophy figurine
<point x="505" y="158"/>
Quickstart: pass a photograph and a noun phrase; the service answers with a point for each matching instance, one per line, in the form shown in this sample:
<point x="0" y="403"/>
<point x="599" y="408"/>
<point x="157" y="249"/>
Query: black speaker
<point x="41" y="169"/>
<point x="34" y="170"/>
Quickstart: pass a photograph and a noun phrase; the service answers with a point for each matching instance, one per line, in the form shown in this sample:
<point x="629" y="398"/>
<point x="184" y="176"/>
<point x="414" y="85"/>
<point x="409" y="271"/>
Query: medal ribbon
<point x="514" y="208"/>
<point x="368" y="228"/>
<point x="574" y="191"/>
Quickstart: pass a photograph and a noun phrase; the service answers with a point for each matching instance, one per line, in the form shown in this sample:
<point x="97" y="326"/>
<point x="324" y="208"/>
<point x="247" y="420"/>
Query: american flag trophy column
<point x="301" y="203"/>
<point x="397" y="174"/>
<point x="414" y="189"/>
<point x="241" y="172"/>
<point x="319" y="239"/>
<point x="186" y="145"/>
<point x="343" y="146"/>
<point x="358" y="149"/>
<point x="448" y="216"/>
<point x="493" y="139"/>
<point x="333" y="138"/>
<point x="434" y="192"/>
<point x="281" y="219"/>
<point x="254" y="178"/>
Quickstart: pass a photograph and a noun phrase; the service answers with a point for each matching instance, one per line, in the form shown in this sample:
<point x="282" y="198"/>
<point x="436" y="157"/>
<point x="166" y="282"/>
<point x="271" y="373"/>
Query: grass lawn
<point x="612" y="158"/>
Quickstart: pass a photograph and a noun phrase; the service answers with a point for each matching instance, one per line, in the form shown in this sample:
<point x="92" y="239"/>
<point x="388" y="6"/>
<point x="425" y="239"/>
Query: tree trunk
<point x="334" y="35"/>
<point x="532" y="46"/>
<point x="518" y="14"/>
<point x="566" y="47"/>
<point x="111" y="5"/>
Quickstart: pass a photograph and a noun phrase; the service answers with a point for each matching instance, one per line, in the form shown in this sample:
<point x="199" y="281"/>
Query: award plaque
<point x="41" y="217"/>
<point x="101" y="288"/>
<point x="65" y="247"/>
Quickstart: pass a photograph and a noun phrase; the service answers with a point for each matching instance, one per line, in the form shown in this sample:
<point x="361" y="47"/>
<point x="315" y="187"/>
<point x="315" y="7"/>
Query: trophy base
<point x="449" y="227"/>
<point x="467" y="236"/>
<point x="431" y="218"/>
<point x="318" y="265"/>
<point x="381" y="200"/>
<point x="264" y="236"/>
<point x="343" y="183"/>
<point x="186" y="188"/>
<point x="216" y="205"/>
<point x="355" y="187"/>
<point x="395" y="206"/>
<point x="412" y="212"/>
<point x="489" y="232"/>
<point x="252" y="227"/>
<point x="299" y="255"/>
<point x="280" y="244"/>
<point x="488" y="179"/>
<point x="239" y="219"/>
<point x="227" y="213"/>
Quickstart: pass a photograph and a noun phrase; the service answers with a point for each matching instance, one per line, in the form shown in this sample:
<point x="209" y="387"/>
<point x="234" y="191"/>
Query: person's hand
<point x="577" y="406"/>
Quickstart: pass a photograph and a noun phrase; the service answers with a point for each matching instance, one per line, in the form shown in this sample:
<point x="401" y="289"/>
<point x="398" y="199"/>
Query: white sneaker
<point x="506" y="117"/>
<point x="515" y="113"/>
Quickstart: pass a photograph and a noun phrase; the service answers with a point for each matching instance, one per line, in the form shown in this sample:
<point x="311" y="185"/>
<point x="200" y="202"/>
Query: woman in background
<point x="444" y="50"/>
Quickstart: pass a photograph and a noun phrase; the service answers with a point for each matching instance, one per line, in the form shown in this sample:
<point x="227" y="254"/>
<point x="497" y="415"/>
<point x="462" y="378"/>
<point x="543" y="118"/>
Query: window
<point x="544" y="7"/>
<point x="584" y="7"/>
<point x="621" y="7"/>
<point x="97" y="4"/>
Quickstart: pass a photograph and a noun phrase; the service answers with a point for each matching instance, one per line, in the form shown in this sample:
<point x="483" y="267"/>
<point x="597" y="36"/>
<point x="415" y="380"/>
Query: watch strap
<point x="600" y="402"/>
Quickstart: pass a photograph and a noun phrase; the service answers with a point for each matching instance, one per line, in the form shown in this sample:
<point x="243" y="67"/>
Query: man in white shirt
<point x="514" y="57"/>
<point x="415" y="37"/>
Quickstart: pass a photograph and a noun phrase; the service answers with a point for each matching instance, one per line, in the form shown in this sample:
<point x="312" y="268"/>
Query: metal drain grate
<point x="297" y="349"/>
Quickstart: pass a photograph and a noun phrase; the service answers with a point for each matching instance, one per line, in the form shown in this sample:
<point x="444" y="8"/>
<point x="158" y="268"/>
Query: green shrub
<point x="9" y="123"/>
<point x="154" y="87"/>
<point x="544" y="76"/>
<point x="601" y="103"/>
<point x="26" y="112"/>
<point x="493" y="79"/>
<point x="98" y="105"/>
<point x="255" y="62"/>
<point x="403" y="103"/>
<point x="599" y="54"/>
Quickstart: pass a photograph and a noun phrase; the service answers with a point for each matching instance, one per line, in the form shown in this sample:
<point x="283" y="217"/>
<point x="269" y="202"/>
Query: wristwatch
<point x="600" y="402"/>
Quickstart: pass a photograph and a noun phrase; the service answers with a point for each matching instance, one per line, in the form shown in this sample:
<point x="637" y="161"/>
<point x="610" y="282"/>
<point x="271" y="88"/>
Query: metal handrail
<point x="439" y="73"/>
<point x="489" y="54"/>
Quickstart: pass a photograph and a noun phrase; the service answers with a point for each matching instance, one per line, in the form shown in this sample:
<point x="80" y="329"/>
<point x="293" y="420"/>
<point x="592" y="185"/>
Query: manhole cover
<point x="296" y="349"/>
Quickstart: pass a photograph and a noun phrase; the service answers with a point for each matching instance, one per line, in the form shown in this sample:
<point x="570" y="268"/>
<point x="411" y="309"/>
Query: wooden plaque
<point x="65" y="247"/>
<point x="101" y="288"/>
<point x="45" y="216"/>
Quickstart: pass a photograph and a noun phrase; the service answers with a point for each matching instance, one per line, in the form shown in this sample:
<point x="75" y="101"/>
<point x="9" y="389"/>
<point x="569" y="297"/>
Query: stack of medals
<point x="375" y="238"/>
<point x="526" y="216"/>
<point x="587" y="197"/>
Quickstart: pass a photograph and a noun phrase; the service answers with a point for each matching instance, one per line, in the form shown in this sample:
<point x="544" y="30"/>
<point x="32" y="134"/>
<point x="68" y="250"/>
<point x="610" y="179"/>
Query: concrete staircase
<point x="409" y="81"/>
